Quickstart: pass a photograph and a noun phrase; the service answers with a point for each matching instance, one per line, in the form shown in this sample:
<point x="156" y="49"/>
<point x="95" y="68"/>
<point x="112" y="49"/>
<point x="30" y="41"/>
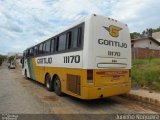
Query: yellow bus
<point x="88" y="60"/>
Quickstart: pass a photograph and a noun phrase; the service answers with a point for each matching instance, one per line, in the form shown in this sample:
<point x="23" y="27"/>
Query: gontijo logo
<point x="113" y="30"/>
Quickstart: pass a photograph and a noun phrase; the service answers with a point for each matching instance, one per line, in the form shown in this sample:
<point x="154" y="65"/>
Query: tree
<point x="1" y="61"/>
<point x="146" y="33"/>
<point x="143" y="33"/>
<point x="150" y="31"/>
<point x="2" y="58"/>
<point x="10" y="59"/>
<point x="134" y="35"/>
<point x="157" y="29"/>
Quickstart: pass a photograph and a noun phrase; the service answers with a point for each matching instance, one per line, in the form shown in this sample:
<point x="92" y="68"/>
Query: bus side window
<point x="40" y="50"/>
<point x="48" y="46"/>
<point x="69" y="40"/>
<point x="53" y="45"/>
<point x="31" y="52"/>
<point x="56" y="43"/>
<point x="74" y="38"/>
<point x="35" y="50"/>
<point x="79" y="40"/>
<point x="44" y="48"/>
<point x="28" y="53"/>
<point x="62" y="42"/>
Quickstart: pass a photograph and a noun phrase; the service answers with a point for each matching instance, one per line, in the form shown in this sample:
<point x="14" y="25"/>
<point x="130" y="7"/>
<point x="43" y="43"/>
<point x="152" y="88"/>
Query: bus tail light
<point x="90" y="76"/>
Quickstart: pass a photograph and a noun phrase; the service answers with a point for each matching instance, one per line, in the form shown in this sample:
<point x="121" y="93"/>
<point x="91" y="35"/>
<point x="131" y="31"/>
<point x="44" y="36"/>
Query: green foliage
<point x="1" y="61"/>
<point x="2" y="58"/>
<point x="10" y="59"/>
<point x="156" y="30"/>
<point x="146" y="72"/>
<point x="134" y="35"/>
<point x="147" y="32"/>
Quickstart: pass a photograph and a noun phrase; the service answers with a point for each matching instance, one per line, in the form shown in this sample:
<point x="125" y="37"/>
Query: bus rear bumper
<point x="106" y="91"/>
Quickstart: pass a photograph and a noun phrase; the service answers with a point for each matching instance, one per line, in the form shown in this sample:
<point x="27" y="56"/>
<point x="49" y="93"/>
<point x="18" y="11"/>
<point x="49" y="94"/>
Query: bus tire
<point x="48" y="83"/>
<point x="57" y="86"/>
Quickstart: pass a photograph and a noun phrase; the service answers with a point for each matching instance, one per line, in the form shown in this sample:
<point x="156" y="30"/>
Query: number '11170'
<point x="72" y="59"/>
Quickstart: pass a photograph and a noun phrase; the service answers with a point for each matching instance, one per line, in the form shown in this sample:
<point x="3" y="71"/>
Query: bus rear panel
<point x="107" y="57"/>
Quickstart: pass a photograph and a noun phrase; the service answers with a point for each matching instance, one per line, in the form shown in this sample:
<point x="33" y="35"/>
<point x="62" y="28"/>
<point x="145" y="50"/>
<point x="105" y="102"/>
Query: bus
<point x="88" y="60"/>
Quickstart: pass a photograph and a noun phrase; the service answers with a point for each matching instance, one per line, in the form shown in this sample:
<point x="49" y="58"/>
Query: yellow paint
<point x="103" y="84"/>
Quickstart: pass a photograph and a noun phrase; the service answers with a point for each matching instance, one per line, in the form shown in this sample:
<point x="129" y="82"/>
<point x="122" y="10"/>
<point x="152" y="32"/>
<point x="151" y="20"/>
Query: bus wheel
<point x="48" y="83"/>
<point x="57" y="86"/>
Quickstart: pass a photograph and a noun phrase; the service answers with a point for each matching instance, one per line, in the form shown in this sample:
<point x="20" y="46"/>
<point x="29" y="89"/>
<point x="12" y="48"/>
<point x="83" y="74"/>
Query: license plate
<point x="116" y="77"/>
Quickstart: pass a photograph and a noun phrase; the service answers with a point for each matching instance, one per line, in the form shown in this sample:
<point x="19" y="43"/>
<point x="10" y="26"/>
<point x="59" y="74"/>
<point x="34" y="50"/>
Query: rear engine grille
<point x="73" y="83"/>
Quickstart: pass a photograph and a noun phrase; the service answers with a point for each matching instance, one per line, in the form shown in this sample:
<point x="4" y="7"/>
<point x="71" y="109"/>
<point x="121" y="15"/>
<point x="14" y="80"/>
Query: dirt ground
<point x="19" y="95"/>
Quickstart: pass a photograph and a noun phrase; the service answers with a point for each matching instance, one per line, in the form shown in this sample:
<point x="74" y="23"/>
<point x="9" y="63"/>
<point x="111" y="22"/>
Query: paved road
<point x="18" y="95"/>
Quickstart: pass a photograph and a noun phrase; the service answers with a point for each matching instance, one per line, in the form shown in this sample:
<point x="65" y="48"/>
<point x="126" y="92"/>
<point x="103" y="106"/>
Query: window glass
<point x="35" y="50"/>
<point x="31" y="52"/>
<point x="69" y="40"/>
<point x="79" y="37"/>
<point x="56" y="43"/>
<point x="48" y="46"/>
<point x="44" y="47"/>
<point x="28" y="53"/>
<point x="62" y="42"/>
<point x="40" y="50"/>
<point x="53" y="45"/>
<point x="74" y="37"/>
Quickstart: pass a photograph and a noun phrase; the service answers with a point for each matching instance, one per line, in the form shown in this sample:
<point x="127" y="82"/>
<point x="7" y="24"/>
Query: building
<point x="14" y="54"/>
<point x="145" y="47"/>
<point x="156" y="35"/>
<point x="146" y="42"/>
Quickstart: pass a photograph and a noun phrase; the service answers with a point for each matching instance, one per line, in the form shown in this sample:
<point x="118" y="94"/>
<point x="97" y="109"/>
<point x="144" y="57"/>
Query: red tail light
<point x="90" y="76"/>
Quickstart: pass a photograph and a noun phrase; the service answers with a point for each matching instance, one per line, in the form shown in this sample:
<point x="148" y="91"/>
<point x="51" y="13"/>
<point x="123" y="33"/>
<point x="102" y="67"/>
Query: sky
<point x="24" y="23"/>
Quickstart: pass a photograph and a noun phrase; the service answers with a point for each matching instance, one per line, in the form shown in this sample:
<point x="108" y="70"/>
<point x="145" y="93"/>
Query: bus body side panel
<point x="57" y="65"/>
<point x="33" y="71"/>
<point x="38" y="71"/>
<point x="30" y="68"/>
